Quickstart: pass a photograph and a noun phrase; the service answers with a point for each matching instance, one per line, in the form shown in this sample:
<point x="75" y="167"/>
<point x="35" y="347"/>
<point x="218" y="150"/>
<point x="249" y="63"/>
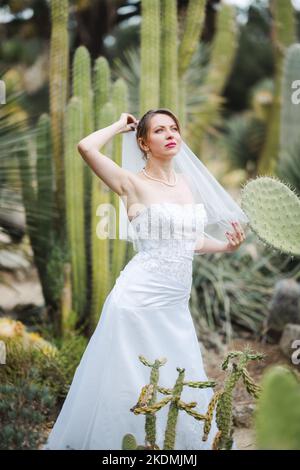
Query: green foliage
<point x="244" y="139"/>
<point x="54" y="370"/>
<point x="23" y="409"/>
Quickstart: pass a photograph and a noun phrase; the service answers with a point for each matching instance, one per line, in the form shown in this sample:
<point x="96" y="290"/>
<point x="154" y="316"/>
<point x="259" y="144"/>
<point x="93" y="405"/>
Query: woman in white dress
<point x="146" y="313"/>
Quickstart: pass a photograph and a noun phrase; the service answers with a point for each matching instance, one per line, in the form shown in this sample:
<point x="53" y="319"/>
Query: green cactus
<point x="168" y="56"/>
<point x="102" y="87"/>
<point x="74" y="178"/>
<point x="284" y="34"/>
<point x="101" y="275"/>
<point x="118" y="249"/>
<point x="224" y="399"/>
<point x="191" y="32"/>
<point x="222" y="54"/>
<point x="147" y="398"/>
<point x="277" y="417"/>
<point x="273" y="209"/>
<point x="290" y="113"/>
<point x="150" y="57"/>
<point x="44" y="174"/>
<point x="129" y="442"/>
<point x="58" y="83"/>
<point x="146" y="403"/>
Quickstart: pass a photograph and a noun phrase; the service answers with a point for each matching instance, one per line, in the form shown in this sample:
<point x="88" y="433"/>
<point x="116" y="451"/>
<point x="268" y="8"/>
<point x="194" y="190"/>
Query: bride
<point x="146" y="313"/>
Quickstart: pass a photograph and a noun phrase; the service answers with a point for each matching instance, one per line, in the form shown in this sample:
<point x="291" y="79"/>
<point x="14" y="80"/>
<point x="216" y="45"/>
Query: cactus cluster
<point x="221" y="399"/>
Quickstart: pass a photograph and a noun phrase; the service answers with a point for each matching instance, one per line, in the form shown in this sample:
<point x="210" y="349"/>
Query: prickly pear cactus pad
<point x="273" y="209"/>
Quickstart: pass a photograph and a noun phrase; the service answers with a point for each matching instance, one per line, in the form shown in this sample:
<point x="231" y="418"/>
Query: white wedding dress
<point x="146" y="313"/>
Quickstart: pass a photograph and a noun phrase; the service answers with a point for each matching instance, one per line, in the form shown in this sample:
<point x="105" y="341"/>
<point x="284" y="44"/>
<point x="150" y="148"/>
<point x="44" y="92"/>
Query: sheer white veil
<point x="219" y="206"/>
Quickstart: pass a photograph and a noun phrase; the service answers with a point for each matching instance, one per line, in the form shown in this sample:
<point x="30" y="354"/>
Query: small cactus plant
<point x="224" y="399"/>
<point x="147" y="405"/>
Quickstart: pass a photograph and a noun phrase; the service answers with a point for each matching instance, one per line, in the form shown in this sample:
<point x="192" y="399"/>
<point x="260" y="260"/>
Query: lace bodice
<point x="165" y="235"/>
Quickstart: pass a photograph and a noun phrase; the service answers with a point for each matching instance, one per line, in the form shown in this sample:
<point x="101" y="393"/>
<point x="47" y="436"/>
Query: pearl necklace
<point x="161" y="181"/>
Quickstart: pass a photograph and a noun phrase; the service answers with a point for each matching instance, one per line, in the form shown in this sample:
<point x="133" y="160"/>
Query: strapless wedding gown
<point x="146" y="313"/>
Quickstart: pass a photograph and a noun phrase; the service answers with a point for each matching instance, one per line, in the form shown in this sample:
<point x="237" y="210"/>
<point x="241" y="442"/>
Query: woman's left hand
<point x="235" y="238"/>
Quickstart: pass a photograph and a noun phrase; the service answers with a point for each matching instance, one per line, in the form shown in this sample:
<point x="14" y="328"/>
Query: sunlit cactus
<point x="58" y="85"/>
<point x="150" y="55"/>
<point x="168" y="56"/>
<point x="102" y="87"/>
<point x="100" y="252"/>
<point x="273" y="209"/>
<point x="120" y="101"/>
<point x="190" y="35"/>
<point x="74" y="178"/>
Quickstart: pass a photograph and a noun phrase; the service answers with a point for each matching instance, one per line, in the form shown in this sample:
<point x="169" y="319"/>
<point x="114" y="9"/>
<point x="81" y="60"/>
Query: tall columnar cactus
<point x="222" y="54"/>
<point x="273" y="210"/>
<point x="188" y="42"/>
<point x="102" y="87"/>
<point x="168" y="56"/>
<point x="82" y="88"/>
<point x="283" y="35"/>
<point x="290" y="112"/>
<point x="120" y="102"/>
<point x="277" y="416"/>
<point x="44" y="173"/>
<point x="74" y="182"/>
<point x="100" y="242"/>
<point x="150" y="55"/>
<point x="224" y="398"/>
<point x="191" y="32"/>
<point x="58" y="83"/>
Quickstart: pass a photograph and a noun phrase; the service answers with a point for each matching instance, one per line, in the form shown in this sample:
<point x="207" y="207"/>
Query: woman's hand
<point x="236" y="238"/>
<point x="128" y="123"/>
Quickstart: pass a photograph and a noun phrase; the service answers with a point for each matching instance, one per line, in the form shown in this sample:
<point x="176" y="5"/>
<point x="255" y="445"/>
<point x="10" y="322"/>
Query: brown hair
<point x="144" y="125"/>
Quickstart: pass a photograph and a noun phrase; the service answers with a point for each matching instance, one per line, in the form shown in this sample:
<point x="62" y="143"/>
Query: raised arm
<point x="116" y="178"/>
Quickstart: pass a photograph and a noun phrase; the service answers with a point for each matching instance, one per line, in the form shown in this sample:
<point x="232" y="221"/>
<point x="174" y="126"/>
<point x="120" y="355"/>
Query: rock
<point x="243" y="414"/>
<point x="283" y="308"/>
<point x="290" y="334"/>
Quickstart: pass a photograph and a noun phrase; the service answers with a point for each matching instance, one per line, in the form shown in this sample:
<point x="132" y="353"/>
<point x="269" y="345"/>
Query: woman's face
<point x="163" y="130"/>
